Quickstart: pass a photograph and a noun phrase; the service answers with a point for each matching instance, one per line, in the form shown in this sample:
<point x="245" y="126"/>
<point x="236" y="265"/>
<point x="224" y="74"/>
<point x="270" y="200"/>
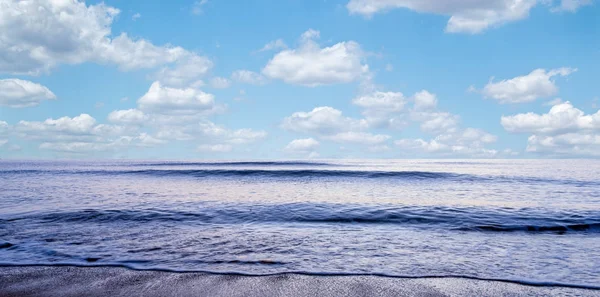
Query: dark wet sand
<point x="116" y="281"/>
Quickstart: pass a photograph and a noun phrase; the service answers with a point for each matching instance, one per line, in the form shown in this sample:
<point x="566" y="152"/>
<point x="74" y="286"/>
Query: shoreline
<point x="118" y="280"/>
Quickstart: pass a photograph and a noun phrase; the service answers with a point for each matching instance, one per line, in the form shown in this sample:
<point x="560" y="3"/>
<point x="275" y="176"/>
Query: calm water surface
<point x="518" y="219"/>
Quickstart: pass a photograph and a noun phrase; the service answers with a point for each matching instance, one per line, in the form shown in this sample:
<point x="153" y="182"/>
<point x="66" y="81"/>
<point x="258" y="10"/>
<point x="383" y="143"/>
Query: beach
<point x="119" y="281"/>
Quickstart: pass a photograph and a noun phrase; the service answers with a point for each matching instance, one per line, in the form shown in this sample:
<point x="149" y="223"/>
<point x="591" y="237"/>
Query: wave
<point x="463" y="219"/>
<point x="285" y="173"/>
<point x="238" y="163"/>
<point x="524" y="282"/>
<point x="227" y="172"/>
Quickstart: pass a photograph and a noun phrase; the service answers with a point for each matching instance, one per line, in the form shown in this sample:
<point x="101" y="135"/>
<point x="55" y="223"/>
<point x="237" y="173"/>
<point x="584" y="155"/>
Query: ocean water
<point x="525" y="220"/>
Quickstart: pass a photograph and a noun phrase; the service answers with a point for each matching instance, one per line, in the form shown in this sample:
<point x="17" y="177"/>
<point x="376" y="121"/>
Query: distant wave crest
<point x="465" y="219"/>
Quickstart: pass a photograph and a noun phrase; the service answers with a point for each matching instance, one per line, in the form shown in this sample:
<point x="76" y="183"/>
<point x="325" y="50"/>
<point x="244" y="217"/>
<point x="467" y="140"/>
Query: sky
<point x="294" y="79"/>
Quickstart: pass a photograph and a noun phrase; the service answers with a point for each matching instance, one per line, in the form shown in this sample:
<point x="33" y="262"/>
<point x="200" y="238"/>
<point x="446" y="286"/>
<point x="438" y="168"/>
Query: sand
<point x="118" y="281"/>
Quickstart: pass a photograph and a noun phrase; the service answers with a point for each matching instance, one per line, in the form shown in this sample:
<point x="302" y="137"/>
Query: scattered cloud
<point x="128" y="116"/>
<point x="71" y="32"/>
<point x="248" y="77"/>
<point x="274" y="45"/>
<point x="562" y="118"/>
<point x="165" y="100"/>
<point x="302" y="145"/>
<point x="19" y="93"/>
<point x="136" y="16"/>
<point x="466" y="16"/>
<point x="553" y="102"/>
<point x="220" y="83"/>
<point x="380" y="108"/>
<point x="310" y="65"/>
<point x="564" y="130"/>
<point x="571" y="5"/>
<point x="322" y="121"/>
<point x="537" y="84"/>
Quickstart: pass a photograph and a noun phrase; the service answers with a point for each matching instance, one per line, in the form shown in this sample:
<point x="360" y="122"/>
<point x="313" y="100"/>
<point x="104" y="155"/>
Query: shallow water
<point x="514" y="219"/>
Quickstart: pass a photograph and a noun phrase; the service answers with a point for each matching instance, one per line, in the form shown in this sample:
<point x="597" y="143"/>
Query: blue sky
<point x="298" y="79"/>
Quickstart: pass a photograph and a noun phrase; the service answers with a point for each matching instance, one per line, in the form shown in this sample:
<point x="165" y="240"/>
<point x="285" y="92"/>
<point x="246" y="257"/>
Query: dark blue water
<point x="527" y="220"/>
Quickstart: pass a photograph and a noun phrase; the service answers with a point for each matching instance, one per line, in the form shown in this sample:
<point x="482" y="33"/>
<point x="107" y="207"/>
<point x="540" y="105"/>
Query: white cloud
<point x="248" y="77"/>
<point x="136" y="16"/>
<point x="466" y="16"/>
<point x="437" y="122"/>
<point x="438" y="147"/>
<point x="215" y="148"/>
<point x="22" y="93"/>
<point x="561" y="118"/>
<point x="187" y="70"/>
<point x="322" y="121"/>
<point x="527" y="88"/>
<point x="389" y="101"/>
<point x="274" y="45"/>
<point x="310" y="65"/>
<point x="425" y="100"/>
<point x="553" y="102"/>
<point x="380" y="108"/>
<point x="128" y="116"/>
<point x="302" y="145"/>
<point x="420" y="144"/>
<point x="220" y="83"/>
<point x="116" y="144"/>
<point x="83" y="124"/>
<point x="569" y="144"/>
<point x="358" y="138"/>
<point x="564" y="130"/>
<point x="209" y="132"/>
<point x="38" y="35"/>
<point x="571" y="5"/>
<point x="245" y="136"/>
<point x="82" y="134"/>
<point x="165" y="100"/>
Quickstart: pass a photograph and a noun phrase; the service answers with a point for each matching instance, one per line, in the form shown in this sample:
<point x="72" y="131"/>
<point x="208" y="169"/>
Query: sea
<point x="530" y="221"/>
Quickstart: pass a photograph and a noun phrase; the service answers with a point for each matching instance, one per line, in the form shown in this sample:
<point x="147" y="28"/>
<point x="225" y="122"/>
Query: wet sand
<point x="118" y="281"/>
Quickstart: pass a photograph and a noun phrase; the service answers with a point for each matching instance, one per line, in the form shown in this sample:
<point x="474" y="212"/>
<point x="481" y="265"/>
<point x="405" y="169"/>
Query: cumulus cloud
<point x="466" y="16"/>
<point x="561" y="118"/>
<point x="165" y="100"/>
<point x="310" y="65"/>
<point x="381" y="109"/>
<point x="425" y="100"/>
<point x="305" y="145"/>
<point x="322" y="121"/>
<point x="82" y="134"/>
<point x="19" y="93"/>
<point x="537" y="84"/>
<point x="187" y="70"/>
<point x="71" y="32"/>
<point x="563" y="130"/>
<point x="438" y="122"/>
<point x="127" y="116"/>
